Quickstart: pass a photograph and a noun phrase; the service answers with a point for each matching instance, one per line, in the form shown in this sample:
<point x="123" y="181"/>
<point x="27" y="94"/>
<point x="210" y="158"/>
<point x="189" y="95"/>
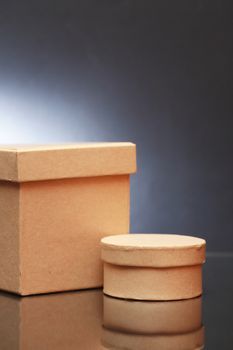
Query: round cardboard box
<point x="153" y="266"/>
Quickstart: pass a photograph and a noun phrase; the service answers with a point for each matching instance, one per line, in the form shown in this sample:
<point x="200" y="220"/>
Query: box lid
<point x="45" y="162"/>
<point x="153" y="250"/>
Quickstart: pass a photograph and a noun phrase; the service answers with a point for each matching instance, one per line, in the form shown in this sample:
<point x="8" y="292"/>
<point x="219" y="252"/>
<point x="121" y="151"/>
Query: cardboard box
<point x="140" y="325"/>
<point x="55" y="321"/>
<point x="153" y="266"/>
<point x="56" y="203"/>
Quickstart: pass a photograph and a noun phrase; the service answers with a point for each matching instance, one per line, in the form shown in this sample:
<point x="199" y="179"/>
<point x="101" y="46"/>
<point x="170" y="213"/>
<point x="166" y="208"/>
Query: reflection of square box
<point x="56" y="202"/>
<point x="55" y="321"/>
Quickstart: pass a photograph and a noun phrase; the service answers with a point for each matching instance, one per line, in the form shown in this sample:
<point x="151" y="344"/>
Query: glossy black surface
<point x="75" y="320"/>
<point x="218" y="302"/>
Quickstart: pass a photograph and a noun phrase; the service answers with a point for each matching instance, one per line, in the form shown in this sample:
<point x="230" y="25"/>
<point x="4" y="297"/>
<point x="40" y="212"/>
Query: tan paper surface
<point x="57" y="205"/>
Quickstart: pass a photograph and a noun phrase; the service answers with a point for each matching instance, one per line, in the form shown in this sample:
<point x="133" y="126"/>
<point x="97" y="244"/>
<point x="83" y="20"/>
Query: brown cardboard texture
<point x="55" y="321"/>
<point x="56" y="203"/>
<point x="153" y="266"/>
<point x="49" y="162"/>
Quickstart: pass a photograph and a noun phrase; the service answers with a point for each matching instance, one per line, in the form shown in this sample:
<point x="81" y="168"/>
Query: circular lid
<point x="153" y="250"/>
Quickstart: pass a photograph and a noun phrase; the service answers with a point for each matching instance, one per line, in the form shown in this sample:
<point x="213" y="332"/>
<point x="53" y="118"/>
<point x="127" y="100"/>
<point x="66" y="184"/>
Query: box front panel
<point x="61" y="224"/>
<point x="9" y="236"/>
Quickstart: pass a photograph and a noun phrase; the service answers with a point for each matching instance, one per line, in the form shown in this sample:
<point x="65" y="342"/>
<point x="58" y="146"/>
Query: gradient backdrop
<point x="157" y="73"/>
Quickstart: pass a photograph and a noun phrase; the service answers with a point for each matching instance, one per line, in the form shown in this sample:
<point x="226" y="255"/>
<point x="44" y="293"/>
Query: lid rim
<point x="178" y="251"/>
<point x="63" y="161"/>
<point x="195" y="242"/>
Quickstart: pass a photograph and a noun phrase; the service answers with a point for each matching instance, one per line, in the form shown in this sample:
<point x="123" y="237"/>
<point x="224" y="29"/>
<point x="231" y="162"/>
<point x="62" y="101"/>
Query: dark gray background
<point x="157" y="73"/>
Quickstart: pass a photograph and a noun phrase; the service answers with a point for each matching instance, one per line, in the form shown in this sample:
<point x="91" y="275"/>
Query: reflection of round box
<point x="153" y="266"/>
<point x="122" y="341"/>
<point x="152" y="317"/>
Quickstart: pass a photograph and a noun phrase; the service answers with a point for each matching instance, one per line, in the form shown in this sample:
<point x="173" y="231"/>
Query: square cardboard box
<point x="56" y="203"/>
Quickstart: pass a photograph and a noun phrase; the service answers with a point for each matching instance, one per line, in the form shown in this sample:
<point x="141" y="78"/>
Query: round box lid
<point x="153" y="250"/>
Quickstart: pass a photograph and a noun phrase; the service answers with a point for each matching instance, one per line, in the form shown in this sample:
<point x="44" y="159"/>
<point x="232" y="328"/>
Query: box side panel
<point x="62" y="223"/>
<point x="9" y="236"/>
